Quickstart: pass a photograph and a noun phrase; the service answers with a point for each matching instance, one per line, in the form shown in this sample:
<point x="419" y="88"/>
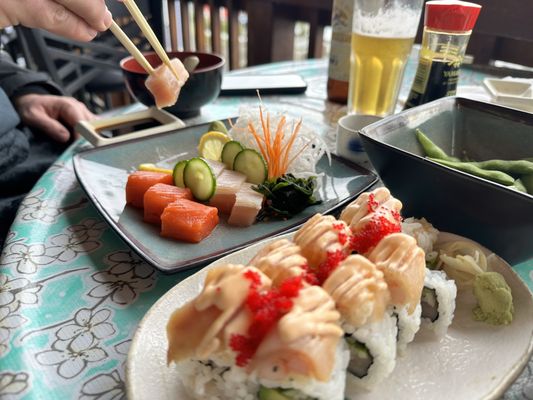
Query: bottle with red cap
<point x="447" y="28"/>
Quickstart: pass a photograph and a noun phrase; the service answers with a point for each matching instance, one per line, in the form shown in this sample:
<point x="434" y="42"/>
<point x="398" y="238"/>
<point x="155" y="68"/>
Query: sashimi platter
<point x="370" y="305"/>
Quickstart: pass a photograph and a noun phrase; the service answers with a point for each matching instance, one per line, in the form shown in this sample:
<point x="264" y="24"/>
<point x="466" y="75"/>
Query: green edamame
<point x="495" y="176"/>
<point x="517" y="167"/>
<point x="519" y="185"/>
<point x="527" y="181"/>
<point x="431" y="149"/>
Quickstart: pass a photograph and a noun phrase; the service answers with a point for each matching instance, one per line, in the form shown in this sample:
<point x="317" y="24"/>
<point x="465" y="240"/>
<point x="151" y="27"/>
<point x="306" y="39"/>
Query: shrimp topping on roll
<point x="359" y="290"/>
<point x="280" y="260"/>
<point x="304" y="340"/>
<point x="404" y="267"/>
<point x="198" y="329"/>
<point x="324" y="242"/>
<point x="371" y="217"/>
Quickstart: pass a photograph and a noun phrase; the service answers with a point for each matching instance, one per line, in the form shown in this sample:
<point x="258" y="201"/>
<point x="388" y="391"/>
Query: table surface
<point x="72" y="293"/>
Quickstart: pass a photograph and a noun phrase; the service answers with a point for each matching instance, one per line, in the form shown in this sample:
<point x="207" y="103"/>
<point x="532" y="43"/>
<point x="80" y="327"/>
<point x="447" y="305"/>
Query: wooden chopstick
<point x="130" y="46"/>
<point x="150" y="35"/>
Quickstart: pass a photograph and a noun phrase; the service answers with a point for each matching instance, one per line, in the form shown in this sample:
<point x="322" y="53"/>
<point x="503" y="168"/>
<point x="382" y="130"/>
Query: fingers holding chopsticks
<point x="75" y="19"/>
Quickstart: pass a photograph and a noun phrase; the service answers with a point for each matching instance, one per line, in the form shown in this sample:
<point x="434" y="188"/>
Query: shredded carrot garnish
<point x="275" y="153"/>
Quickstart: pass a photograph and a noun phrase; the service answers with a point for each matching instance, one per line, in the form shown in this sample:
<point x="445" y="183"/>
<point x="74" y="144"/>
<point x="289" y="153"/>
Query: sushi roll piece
<point x="324" y="242"/>
<point x="242" y="339"/>
<point x="438" y="301"/>
<point x="247" y="205"/>
<point x="228" y="184"/>
<point x="140" y="181"/>
<point x="362" y="297"/>
<point x="404" y="269"/>
<point x="371" y="217"/>
<point x="280" y="260"/>
<point x="164" y="85"/>
<point x="158" y="197"/>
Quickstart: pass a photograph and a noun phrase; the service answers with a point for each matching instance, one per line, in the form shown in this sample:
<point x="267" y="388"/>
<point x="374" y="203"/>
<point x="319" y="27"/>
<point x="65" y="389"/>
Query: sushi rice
<point x="210" y="380"/>
<point x="408" y="326"/>
<point x="380" y="340"/>
<point x="445" y="292"/>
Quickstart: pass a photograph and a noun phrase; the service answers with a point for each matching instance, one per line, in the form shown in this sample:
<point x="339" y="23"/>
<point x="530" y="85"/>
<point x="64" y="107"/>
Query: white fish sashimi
<point x="228" y="184"/>
<point x="248" y="203"/>
<point x="164" y="85"/>
<point x="216" y="167"/>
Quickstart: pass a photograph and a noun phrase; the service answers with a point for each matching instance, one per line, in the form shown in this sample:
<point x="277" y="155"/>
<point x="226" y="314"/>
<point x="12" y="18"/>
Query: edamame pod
<point x="431" y="149"/>
<point x="517" y="167"/>
<point x="527" y="181"/>
<point x="519" y="185"/>
<point x="495" y="176"/>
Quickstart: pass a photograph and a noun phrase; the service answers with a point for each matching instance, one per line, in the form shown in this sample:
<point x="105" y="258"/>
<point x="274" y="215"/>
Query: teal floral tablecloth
<point x="72" y="293"/>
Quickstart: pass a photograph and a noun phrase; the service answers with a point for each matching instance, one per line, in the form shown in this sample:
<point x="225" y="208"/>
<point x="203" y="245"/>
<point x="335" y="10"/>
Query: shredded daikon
<point x="462" y="261"/>
<point x="305" y="151"/>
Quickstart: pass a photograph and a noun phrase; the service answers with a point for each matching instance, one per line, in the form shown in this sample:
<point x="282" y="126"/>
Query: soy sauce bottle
<point x="447" y="29"/>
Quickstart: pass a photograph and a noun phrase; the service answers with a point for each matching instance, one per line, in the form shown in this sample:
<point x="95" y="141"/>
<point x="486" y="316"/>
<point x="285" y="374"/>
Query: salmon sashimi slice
<point x="158" y="197"/>
<point x="248" y="203"/>
<point x="140" y="181"/>
<point x="164" y="85"/>
<point x="228" y="184"/>
<point x="188" y="221"/>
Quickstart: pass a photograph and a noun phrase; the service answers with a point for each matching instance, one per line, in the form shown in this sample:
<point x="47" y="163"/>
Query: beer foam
<point x="388" y="23"/>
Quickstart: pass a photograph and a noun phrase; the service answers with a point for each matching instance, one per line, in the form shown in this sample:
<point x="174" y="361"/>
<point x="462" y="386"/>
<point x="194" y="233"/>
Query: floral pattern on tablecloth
<point x="72" y="296"/>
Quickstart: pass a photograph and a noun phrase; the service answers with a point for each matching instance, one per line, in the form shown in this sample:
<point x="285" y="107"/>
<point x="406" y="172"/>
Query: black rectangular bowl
<point x="492" y="214"/>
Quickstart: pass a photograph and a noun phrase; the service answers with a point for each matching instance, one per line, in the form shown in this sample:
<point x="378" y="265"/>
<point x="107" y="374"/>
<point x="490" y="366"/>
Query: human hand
<point x="74" y="19"/>
<point x="55" y="116"/>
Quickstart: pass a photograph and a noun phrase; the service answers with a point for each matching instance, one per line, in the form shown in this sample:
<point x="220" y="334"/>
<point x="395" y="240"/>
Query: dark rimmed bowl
<point x="202" y="87"/>
<point x="492" y="214"/>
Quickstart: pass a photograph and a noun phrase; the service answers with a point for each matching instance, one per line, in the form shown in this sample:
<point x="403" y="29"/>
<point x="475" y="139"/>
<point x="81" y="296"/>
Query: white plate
<point x="473" y="361"/>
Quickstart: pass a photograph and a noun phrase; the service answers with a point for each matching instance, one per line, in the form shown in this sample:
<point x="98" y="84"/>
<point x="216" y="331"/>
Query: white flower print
<point x="26" y="258"/>
<point x="9" y="320"/>
<point x="91" y="228"/>
<point x="13" y="383"/>
<point x="88" y="326"/>
<point x="11" y="290"/>
<point x="104" y="387"/>
<point x="71" y="357"/>
<point x="34" y="208"/>
<point x="67" y="247"/>
<point x="122" y="289"/>
<point x="125" y="261"/>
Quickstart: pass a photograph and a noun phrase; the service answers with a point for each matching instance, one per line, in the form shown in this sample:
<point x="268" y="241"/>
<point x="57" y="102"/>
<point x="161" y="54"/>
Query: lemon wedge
<point x="211" y="144"/>
<point x="152" y="168"/>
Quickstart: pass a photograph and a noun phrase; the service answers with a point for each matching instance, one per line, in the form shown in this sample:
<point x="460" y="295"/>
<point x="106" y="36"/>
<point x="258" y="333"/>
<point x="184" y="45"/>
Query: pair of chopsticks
<point x="150" y="36"/>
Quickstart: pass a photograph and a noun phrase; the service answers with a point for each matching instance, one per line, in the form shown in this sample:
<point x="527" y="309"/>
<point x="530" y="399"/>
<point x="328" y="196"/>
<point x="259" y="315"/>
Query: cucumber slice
<point x="199" y="177"/>
<point x="177" y="174"/>
<point x="230" y="151"/>
<point x="252" y="164"/>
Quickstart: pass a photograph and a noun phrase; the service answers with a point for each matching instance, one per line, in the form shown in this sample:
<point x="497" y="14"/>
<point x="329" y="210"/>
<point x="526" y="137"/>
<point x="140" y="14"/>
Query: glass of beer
<point x="382" y="37"/>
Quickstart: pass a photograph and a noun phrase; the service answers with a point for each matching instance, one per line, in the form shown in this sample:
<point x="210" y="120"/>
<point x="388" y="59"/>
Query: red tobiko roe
<point x="376" y="229"/>
<point x="333" y="259"/>
<point x="267" y="308"/>
<point x="343" y="236"/>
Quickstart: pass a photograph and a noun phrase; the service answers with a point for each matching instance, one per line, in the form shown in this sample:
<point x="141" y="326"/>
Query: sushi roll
<point x="241" y="338"/>
<point x="280" y="260"/>
<point x="362" y="297"/>
<point x="324" y="242"/>
<point x="404" y="268"/>
<point x="438" y="301"/>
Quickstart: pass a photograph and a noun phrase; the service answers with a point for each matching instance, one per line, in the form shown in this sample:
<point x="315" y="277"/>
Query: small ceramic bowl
<point x="202" y="87"/>
<point x="348" y="143"/>
<point x="492" y="214"/>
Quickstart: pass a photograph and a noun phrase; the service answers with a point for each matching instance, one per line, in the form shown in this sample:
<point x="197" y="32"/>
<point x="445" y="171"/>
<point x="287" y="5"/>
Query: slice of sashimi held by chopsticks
<point x="165" y="81"/>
